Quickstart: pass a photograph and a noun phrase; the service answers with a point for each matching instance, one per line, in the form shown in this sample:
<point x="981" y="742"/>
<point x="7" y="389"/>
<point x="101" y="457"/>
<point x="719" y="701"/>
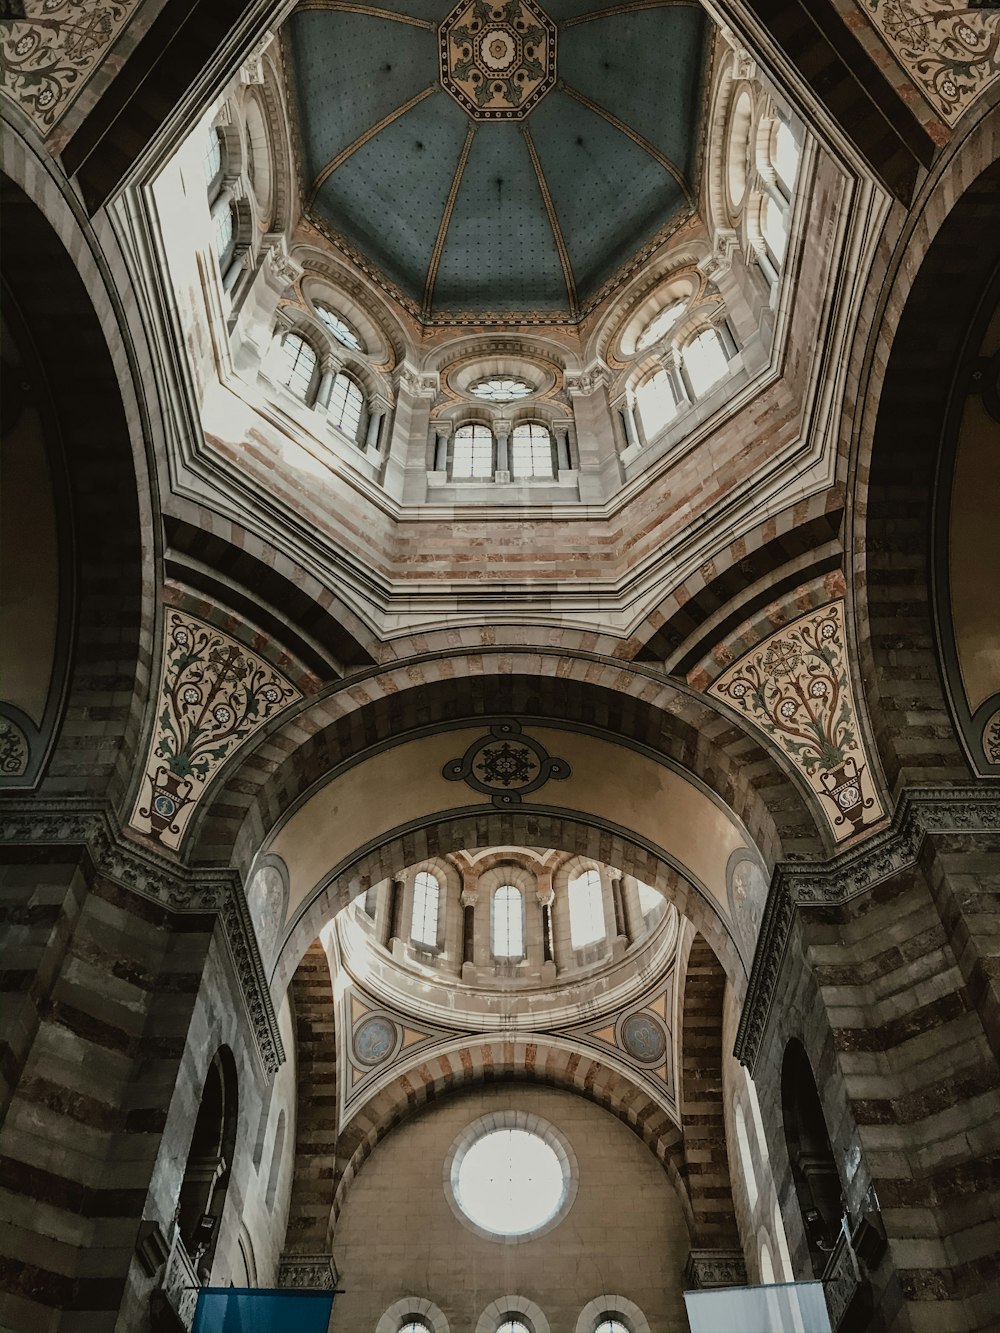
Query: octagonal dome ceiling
<point x="498" y="159"/>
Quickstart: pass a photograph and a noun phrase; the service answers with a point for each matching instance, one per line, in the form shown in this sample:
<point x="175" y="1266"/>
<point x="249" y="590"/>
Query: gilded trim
<point x="435" y="264"/>
<point x="660" y="158"/>
<point x="360" y="142"/>
<point x="345" y="7"/>
<point x="550" y="211"/>
<point x="628" y="8"/>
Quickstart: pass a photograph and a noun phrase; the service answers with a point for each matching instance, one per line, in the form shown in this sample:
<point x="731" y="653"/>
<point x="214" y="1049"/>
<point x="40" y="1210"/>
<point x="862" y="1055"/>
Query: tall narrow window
<point x="213" y="161"/>
<point x="224" y="240"/>
<point x="586" y="910"/>
<point x="705" y="361"/>
<point x="774" y="229"/>
<point x="298" y="362"/>
<point x="785" y="156"/>
<point x="531" y="451"/>
<point x="426" y="897"/>
<point x="277" y="1149"/>
<point x="508" y="922"/>
<point x="657" y="403"/>
<point x="473" y="456"/>
<point x="347" y="403"/>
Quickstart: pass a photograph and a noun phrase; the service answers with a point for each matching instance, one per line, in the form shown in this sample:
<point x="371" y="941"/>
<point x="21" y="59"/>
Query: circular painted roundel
<point x="374" y="1040"/>
<point x="644" y="1038"/>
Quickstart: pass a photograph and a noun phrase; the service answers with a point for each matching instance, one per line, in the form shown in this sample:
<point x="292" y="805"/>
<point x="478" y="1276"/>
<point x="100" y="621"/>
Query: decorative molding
<point x="15" y="751"/>
<point x="795" y="687"/>
<point x="174" y="887"/>
<point x="506" y="765"/>
<point x="252" y="69"/>
<point x="214" y="695"/>
<point x="285" y="270"/>
<point x="991" y="738"/>
<point x="919" y="813"/>
<point x="715" y="1268"/>
<point x="308" y="1272"/>
<point x="497" y="62"/>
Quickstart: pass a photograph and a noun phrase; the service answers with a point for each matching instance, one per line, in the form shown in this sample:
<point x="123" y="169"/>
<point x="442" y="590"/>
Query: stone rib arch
<point x="529" y="1059"/>
<point x="630" y="705"/>
<point x="485" y="827"/>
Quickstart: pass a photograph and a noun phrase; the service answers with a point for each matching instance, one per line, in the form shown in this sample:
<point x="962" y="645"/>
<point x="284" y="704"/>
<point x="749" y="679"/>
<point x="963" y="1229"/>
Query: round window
<point x="510" y="1176"/>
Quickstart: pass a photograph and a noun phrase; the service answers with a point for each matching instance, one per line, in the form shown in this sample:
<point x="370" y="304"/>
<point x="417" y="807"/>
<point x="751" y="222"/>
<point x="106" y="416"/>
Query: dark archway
<point x="209" y="1164"/>
<point x="814" y="1167"/>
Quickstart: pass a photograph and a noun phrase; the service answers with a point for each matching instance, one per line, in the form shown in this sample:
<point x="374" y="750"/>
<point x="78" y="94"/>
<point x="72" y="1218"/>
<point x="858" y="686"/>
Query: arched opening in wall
<point x="814" y="1167"/>
<point x="209" y="1163"/>
<point x="67" y="646"/>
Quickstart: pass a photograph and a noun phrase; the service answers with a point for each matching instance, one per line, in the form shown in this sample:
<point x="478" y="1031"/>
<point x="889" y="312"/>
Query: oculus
<point x="498" y="390"/>
<point x="497" y="60"/>
<point x="510" y="1176"/>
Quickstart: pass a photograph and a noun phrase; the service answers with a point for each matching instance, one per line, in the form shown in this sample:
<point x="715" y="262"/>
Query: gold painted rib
<point x="435" y="264"/>
<point x="550" y="210"/>
<point x="629" y="7"/>
<point x="632" y="134"/>
<point x="360" y="142"/>
<point x="345" y="7"/>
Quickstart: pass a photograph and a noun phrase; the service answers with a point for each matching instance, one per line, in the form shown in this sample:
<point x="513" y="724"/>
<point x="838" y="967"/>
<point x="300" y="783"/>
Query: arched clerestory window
<point x="657" y="402"/>
<point x="426" y="908"/>
<point x="705" y="361"/>
<point x="508" y="923"/>
<point x="224" y="236"/>
<point x="586" y="910"/>
<point x="297" y="365"/>
<point x="531" y="451"/>
<point x="472" y="452"/>
<point x="347" y="405"/>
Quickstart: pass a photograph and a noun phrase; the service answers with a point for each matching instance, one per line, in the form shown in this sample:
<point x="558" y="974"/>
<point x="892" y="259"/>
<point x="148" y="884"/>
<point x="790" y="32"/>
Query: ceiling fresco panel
<point x="351" y="71"/>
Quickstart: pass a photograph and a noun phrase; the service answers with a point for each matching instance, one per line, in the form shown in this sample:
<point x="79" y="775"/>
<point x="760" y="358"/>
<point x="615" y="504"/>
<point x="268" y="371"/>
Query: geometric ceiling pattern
<point x="497" y="158"/>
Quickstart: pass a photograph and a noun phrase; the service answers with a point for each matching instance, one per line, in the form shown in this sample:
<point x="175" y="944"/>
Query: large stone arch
<point x="942" y="262"/>
<point x="635" y="706"/>
<point x="55" y="274"/>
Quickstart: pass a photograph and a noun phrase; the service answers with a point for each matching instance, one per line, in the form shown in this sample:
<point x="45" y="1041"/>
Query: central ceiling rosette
<point x="497" y="61"/>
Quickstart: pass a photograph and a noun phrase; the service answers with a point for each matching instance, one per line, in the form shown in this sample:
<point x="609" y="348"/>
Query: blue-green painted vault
<point x="498" y="218"/>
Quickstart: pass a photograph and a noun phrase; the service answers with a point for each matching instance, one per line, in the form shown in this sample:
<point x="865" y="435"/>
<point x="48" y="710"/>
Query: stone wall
<point x="397" y="1235"/>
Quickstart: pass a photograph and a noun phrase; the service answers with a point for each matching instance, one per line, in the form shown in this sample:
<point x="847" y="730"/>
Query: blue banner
<point x="262" y="1310"/>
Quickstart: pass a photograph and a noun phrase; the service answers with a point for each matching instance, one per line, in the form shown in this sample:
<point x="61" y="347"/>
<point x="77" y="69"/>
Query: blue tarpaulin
<point x="261" y="1310"/>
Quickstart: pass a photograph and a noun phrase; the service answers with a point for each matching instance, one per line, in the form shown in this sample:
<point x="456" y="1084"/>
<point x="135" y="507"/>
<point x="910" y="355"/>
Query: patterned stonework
<point x="796" y="689"/>
<point x="214" y="695"/>
<point x="47" y="57"/>
<point x="497" y="60"/>
<point x="991" y="738"/>
<point x="14" y="749"/>
<point x="949" y="52"/>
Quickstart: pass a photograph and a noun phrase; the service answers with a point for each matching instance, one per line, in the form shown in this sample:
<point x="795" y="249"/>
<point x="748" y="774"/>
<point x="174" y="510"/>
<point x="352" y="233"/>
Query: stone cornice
<point x="176" y="888"/>
<point x="919" y="813"/>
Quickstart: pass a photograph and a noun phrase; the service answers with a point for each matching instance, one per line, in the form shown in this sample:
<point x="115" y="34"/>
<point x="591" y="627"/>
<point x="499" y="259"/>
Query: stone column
<point x="546" y="897"/>
<point x="397" y="927"/>
<point x="600" y="469"/>
<point x="469" y="898"/>
<point x="635" y="924"/>
<point x="330" y="367"/>
<point x="621" y="925"/>
<point x="378" y="413"/>
<point x="405" y="473"/>
<point x="671" y="361"/>
<point x="501" y="433"/>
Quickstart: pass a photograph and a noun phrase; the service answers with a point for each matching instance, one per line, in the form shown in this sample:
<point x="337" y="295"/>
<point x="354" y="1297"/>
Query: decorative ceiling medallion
<point x="506" y="765"/>
<point x="497" y="60"/>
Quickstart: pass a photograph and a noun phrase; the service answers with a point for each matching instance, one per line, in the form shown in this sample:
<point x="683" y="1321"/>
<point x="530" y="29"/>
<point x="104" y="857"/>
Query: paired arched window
<point x="472" y="455"/>
<point x="775" y="207"/>
<point x="531" y="451"/>
<point x="586" y="910"/>
<point x="339" y="327"/>
<point x="347" y="405"/>
<point x="297" y="364"/>
<point x="705" y="361"/>
<point x="657" y="402"/>
<point x="426" y="906"/>
<point x="508" y="922"/>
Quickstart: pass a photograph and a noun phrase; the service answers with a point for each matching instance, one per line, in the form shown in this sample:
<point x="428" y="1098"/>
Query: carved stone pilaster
<point x="252" y="69"/>
<point x="715" y="1268"/>
<point x="176" y="888"/>
<point x="283" y="271"/>
<point x="919" y="812"/>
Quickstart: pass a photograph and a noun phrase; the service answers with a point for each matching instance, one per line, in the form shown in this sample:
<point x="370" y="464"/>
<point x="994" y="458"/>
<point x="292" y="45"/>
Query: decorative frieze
<point x="854" y="871"/>
<point x="307" y="1272"/>
<point x="214" y="695"/>
<point x="715" y="1268"/>
<point x="173" y="887"/>
<point x="796" y="688"/>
